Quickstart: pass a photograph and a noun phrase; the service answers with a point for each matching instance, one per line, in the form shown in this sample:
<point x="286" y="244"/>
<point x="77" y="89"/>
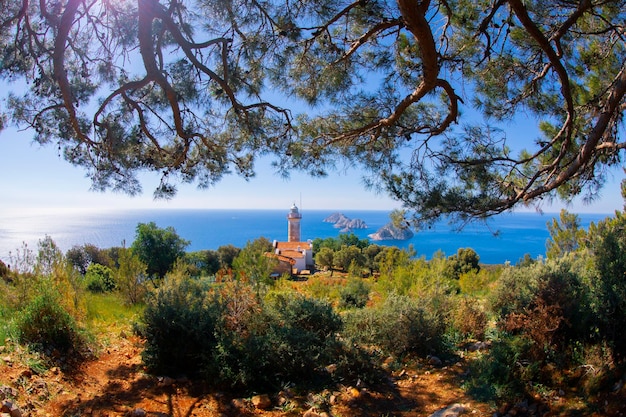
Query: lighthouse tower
<point x="293" y="218"/>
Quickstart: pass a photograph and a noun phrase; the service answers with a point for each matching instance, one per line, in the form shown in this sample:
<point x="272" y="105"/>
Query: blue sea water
<point x="517" y="234"/>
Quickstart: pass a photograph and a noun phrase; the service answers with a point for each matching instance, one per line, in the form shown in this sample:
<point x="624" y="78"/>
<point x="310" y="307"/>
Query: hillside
<point x="115" y="384"/>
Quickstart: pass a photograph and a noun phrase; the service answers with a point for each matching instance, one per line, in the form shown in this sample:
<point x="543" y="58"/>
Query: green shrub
<point x="505" y="373"/>
<point x="551" y="304"/>
<point x="355" y="294"/>
<point x="397" y="326"/>
<point x="608" y="245"/>
<point x="230" y="336"/>
<point x="465" y="260"/>
<point x="47" y="327"/>
<point x="302" y="334"/>
<point x="99" y="279"/>
<point x="516" y="289"/>
<point x="130" y="276"/>
<point x="7" y="325"/>
<point x="547" y="320"/>
<point x="179" y="328"/>
<point x="290" y="338"/>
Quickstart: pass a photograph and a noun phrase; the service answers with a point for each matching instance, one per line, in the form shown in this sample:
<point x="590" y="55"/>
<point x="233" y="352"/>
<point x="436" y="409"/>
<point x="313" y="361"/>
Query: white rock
<point x="454" y="410"/>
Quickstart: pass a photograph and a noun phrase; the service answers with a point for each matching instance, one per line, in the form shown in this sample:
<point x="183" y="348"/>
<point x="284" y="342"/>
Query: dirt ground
<point x="115" y="384"/>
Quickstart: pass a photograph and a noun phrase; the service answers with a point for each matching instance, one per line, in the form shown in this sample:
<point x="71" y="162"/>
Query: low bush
<point x="48" y="328"/>
<point x="179" y="328"/>
<point x="469" y="319"/>
<point x="398" y="325"/>
<point x="355" y="294"/>
<point x="288" y="338"/>
<point x="550" y="304"/>
<point x="7" y="325"/>
<point x="99" y="279"/>
<point x="548" y="323"/>
<point x="505" y="373"/>
<point x="232" y="336"/>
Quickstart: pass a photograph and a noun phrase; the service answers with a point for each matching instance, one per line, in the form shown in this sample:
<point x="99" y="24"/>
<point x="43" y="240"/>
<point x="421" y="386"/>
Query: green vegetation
<point x="224" y="319"/>
<point x="47" y="327"/>
<point x="399" y="325"/>
<point x="158" y="248"/>
<point x="354" y="294"/>
<point x="252" y="265"/>
<point x="230" y="335"/>
<point x="99" y="278"/>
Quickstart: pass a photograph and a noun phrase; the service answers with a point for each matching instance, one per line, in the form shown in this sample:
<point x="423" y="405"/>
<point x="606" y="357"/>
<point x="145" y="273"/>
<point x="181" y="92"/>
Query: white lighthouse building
<point x="294" y="255"/>
<point x="293" y="219"/>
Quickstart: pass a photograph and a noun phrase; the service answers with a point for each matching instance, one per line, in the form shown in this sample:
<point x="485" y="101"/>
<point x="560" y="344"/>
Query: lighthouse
<point x="293" y="218"/>
<point x="294" y="256"/>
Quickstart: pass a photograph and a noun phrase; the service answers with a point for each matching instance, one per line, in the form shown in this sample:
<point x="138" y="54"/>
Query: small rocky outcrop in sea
<point x="391" y="232"/>
<point x="334" y="218"/>
<point x="345" y="223"/>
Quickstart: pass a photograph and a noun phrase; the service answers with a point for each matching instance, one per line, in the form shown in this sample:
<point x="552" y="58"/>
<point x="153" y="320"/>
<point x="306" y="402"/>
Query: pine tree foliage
<point x="418" y="93"/>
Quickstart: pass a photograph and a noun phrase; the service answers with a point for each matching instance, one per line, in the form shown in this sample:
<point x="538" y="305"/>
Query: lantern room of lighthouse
<point x="293" y="219"/>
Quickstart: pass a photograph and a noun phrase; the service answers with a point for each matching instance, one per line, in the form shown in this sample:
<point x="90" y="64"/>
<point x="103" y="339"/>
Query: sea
<point x="505" y="238"/>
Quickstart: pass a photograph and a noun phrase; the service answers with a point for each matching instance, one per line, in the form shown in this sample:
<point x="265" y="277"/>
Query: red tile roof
<point x="282" y="258"/>
<point x="294" y="246"/>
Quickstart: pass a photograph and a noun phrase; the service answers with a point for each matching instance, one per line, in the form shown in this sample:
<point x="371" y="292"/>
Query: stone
<point x="138" y="412"/>
<point x="262" y="402"/>
<point x="11" y="409"/>
<point x="453" y="410"/>
<point x="434" y="361"/>
<point x="282" y="401"/>
<point x="8" y="392"/>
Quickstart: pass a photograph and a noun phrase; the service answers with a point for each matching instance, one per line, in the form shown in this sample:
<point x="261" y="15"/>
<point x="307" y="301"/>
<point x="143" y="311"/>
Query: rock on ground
<point x="454" y="410"/>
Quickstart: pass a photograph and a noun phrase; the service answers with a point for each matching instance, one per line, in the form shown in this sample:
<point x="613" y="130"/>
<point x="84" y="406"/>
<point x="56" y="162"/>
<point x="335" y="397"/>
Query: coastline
<point x="518" y="233"/>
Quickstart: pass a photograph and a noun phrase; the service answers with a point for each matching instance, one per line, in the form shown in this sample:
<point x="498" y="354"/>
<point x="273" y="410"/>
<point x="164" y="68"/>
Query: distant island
<point x="391" y="232"/>
<point x="344" y="223"/>
<point x="387" y="232"/>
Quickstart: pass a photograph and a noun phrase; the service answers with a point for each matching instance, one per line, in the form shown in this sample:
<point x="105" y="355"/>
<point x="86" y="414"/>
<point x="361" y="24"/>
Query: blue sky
<point x="35" y="177"/>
